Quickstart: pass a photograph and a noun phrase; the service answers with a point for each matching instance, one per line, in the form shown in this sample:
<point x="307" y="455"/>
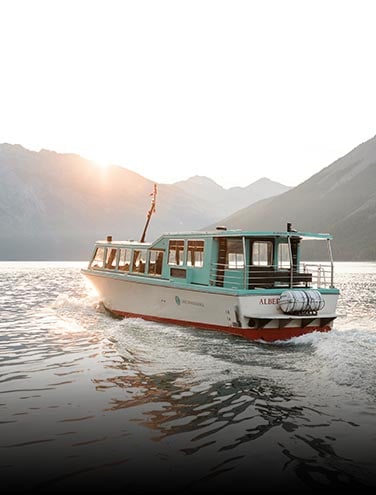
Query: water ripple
<point x="89" y="401"/>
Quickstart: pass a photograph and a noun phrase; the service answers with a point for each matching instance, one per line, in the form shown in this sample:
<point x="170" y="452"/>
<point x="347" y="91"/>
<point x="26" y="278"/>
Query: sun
<point x="101" y="164"/>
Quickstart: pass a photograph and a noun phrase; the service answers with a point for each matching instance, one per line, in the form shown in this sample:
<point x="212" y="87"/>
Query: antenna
<point x="150" y="212"/>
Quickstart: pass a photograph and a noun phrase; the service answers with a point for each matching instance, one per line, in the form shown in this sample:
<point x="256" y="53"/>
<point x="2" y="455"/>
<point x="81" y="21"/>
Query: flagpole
<point x="150" y="212"/>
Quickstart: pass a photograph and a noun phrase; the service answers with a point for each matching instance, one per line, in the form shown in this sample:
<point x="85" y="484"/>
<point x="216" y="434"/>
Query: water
<point x="100" y="405"/>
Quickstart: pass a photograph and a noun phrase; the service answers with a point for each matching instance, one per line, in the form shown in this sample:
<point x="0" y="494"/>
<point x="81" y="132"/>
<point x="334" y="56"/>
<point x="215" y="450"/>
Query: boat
<point x="253" y="284"/>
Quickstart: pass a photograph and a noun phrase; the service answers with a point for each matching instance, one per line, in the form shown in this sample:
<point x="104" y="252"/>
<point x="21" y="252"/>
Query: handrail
<point x="315" y="275"/>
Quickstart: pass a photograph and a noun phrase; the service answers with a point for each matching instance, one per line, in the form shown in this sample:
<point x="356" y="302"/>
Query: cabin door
<point x="261" y="268"/>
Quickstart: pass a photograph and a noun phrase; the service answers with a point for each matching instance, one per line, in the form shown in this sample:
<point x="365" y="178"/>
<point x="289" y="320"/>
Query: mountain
<point x="54" y="206"/>
<point x="221" y="202"/>
<point x="340" y="199"/>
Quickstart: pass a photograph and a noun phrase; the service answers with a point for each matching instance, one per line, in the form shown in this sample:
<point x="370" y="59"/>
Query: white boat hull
<point x="253" y="316"/>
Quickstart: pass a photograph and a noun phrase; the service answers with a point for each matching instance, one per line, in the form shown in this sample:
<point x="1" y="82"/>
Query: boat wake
<point x="342" y="359"/>
<point x="66" y="301"/>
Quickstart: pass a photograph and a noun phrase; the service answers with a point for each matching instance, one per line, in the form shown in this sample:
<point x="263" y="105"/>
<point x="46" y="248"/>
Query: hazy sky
<point x="235" y="90"/>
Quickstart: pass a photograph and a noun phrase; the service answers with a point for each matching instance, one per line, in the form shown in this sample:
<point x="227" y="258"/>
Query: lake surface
<point x="101" y="405"/>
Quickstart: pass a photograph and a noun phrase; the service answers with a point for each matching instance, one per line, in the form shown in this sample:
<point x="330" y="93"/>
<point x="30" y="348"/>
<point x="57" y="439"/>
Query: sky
<point x="234" y="90"/>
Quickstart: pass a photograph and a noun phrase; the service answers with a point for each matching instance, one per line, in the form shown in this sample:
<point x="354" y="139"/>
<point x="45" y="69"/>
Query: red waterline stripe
<point x="267" y="334"/>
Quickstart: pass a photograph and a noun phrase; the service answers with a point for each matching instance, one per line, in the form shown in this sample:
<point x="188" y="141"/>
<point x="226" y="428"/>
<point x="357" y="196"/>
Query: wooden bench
<point x="267" y="277"/>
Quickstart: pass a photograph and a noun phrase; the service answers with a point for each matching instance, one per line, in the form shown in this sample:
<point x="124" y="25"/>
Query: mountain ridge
<point x="339" y="199"/>
<point x="227" y="200"/>
<point x="55" y="206"/>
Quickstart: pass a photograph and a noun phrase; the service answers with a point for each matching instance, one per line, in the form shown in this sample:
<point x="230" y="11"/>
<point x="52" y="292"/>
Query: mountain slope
<point x="221" y="202"/>
<point x="341" y="199"/>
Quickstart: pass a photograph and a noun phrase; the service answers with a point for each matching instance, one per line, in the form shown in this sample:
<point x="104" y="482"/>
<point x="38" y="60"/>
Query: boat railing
<point x="223" y="275"/>
<point x="312" y="275"/>
<point x="322" y="274"/>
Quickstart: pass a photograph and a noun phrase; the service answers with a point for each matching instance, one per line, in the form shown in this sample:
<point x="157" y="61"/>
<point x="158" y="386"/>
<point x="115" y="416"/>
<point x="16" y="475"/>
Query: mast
<point x="150" y="212"/>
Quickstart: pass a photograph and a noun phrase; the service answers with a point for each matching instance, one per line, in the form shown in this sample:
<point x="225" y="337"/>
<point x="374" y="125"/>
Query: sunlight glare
<point x="101" y="164"/>
<point x="90" y="288"/>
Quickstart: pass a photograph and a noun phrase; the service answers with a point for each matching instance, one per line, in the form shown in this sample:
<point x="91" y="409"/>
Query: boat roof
<point x="247" y="233"/>
<point x="200" y="234"/>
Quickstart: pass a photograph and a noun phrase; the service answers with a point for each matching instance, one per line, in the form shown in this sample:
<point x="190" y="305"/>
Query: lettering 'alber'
<point x="269" y="300"/>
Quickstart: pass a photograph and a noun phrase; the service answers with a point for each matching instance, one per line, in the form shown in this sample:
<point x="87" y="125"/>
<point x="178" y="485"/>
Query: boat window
<point x="235" y="254"/>
<point x="283" y="255"/>
<point x="195" y="253"/>
<point x="98" y="258"/>
<point x="155" y="262"/>
<point x="262" y="253"/>
<point x="139" y="260"/>
<point x="175" y="252"/>
<point x="124" y="259"/>
<point x="111" y="258"/>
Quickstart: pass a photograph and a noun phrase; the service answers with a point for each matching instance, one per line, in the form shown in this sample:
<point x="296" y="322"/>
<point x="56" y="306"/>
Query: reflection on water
<point x="90" y="402"/>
